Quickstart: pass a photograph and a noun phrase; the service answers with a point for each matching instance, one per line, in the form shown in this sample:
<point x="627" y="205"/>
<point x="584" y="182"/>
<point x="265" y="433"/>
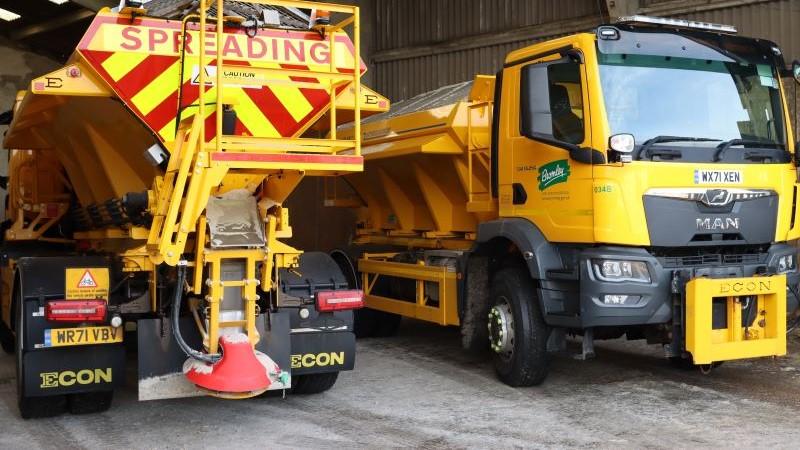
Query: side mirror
<point x="796" y="70"/>
<point x="622" y="147"/>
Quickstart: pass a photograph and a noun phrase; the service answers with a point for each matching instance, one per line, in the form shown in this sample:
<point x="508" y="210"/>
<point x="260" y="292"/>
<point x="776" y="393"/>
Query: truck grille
<point x="713" y="260"/>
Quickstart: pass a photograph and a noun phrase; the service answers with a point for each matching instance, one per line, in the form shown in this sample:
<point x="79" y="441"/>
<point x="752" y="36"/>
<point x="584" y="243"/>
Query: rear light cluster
<point x="76" y="311"/>
<point x="340" y="300"/>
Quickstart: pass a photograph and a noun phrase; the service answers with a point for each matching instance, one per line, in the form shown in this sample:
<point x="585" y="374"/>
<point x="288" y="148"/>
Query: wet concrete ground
<point x="420" y="390"/>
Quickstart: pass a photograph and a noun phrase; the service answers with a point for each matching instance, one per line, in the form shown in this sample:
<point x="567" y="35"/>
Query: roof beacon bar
<point x="678" y="23"/>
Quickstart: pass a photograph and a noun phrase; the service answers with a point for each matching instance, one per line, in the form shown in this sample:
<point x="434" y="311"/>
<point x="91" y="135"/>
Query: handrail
<point x="333" y="77"/>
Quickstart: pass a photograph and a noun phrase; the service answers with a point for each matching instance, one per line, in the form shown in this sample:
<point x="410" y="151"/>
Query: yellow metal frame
<point x="766" y="336"/>
<point x="36" y="228"/>
<point x="197" y="170"/>
<point x="373" y="266"/>
<point x="332" y="145"/>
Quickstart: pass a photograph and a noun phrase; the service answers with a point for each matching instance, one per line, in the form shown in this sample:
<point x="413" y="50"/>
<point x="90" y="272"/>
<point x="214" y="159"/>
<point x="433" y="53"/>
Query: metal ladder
<point x="197" y="167"/>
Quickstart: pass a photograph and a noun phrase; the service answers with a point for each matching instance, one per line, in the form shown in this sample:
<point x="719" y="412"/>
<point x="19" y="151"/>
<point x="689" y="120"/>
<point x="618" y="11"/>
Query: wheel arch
<point x="500" y="243"/>
<point x="538" y="254"/>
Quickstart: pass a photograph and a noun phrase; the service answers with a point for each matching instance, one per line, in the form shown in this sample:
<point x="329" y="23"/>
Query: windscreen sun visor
<point x="706" y="46"/>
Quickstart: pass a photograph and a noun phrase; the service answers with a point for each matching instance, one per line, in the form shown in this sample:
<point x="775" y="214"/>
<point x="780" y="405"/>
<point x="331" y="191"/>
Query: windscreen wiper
<point x="648" y="144"/>
<point x="665" y="153"/>
<point x="723" y="147"/>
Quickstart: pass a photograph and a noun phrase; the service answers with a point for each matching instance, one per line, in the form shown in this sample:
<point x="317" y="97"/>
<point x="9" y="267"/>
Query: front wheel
<point x="313" y="384"/>
<point x="517" y="331"/>
<point x="688" y="364"/>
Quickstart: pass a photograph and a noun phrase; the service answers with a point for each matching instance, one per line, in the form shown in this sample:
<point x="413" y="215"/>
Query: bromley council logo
<point x="553" y="173"/>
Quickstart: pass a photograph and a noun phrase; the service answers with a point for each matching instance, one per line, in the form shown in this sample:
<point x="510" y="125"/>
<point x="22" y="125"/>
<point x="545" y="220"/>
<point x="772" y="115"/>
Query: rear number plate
<point x="62" y="337"/>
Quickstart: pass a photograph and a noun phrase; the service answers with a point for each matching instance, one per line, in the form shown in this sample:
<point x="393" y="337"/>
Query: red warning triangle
<point x="87" y="280"/>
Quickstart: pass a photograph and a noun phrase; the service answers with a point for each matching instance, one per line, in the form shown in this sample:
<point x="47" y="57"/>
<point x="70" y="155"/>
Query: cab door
<point x="546" y="163"/>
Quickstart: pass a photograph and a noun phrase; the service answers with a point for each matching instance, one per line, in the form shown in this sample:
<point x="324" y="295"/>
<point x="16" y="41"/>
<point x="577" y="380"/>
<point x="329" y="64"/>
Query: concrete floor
<point x="420" y="390"/>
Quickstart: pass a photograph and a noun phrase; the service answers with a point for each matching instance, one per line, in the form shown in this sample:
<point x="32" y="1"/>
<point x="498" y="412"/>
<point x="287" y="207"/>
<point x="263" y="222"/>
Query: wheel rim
<point x="501" y="328"/>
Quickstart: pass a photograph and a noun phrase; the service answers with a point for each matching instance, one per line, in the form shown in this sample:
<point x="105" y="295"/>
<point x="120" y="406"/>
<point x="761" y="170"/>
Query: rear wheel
<point x="6" y="338"/>
<point x="373" y="323"/>
<point x="517" y="331"/>
<point x="31" y="407"/>
<point x="366" y="322"/>
<point x="90" y="402"/>
<point x="313" y="384"/>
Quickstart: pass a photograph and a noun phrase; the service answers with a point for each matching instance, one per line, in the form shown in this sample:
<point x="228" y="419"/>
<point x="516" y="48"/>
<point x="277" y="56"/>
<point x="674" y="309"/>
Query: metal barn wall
<point x="420" y="45"/>
<point x="408" y="57"/>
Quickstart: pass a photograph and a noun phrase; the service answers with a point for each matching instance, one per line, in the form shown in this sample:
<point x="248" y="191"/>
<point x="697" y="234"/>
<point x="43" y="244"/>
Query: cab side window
<point x="551" y="106"/>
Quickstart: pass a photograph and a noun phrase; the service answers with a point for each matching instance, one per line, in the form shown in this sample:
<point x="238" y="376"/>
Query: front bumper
<point x="719" y="327"/>
<point x="656" y="303"/>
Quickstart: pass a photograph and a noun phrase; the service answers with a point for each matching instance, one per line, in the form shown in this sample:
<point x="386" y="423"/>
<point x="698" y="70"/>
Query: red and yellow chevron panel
<point x="140" y="60"/>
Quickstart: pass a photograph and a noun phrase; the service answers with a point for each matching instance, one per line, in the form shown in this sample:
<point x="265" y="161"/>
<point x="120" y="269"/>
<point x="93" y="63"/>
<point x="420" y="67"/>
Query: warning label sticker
<point x="86" y="283"/>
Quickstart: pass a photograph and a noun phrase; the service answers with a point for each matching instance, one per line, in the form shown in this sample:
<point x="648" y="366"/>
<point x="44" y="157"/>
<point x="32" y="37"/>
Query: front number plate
<point x="62" y="337"/>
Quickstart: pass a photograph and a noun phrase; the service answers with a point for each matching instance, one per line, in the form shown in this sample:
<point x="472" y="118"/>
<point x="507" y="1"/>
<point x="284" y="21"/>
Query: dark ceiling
<point x="54" y="30"/>
<point x="47" y="28"/>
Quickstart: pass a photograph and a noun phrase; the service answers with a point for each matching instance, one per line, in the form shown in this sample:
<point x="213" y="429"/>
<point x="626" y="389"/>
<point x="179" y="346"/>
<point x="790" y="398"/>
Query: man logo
<point x="68" y="378"/>
<point x="717" y="197"/>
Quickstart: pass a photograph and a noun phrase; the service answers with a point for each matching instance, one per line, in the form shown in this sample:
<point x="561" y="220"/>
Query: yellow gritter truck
<point x="639" y="180"/>
<point x="146" y="184"/>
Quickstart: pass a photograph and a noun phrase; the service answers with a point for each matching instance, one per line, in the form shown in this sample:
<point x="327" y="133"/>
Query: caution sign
<point x="245" y="78"/>
<point x="86" y="283"/>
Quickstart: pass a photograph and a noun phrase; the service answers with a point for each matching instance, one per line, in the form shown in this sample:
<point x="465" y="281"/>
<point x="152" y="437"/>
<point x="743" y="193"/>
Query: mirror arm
<point x="587" y="155"/>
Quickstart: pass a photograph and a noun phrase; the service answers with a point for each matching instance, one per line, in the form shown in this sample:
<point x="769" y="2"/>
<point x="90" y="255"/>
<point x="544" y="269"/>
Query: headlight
<point x="786" y="264"/>
<point x="619" y="271"/>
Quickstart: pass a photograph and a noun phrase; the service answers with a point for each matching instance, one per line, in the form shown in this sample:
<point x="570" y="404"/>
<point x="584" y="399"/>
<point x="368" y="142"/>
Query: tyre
<point x="373" y="323"/>
<point x="6" y="338"/>
<point x="517" y="331"/>
<point x="687" y="364"/>
<point x="31" y="407"/>
<point x="90" y="403"/>
<point x="366" y="322"/>
<point x="313" y="384"/>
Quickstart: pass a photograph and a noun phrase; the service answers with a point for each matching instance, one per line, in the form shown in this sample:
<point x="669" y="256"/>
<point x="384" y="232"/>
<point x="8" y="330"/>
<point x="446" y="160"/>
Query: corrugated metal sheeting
<point x="404" y="23"/>
<point x="776" y="21"/>
<point x="413" y="22"/>
<point x="424" y="44"/>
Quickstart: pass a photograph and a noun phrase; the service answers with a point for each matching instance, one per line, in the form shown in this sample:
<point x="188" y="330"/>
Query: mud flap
<point x="161" y="360"/>
<point x="74" y="370"/>
<point x="323" y="352"/>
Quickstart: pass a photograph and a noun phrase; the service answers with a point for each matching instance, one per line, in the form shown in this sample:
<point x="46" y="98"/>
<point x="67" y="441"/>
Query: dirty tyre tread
<point x="90" y="403"/>
<point x="387" y="324"/>
<point x="365" y="323"/>
<point x="42" y="407"/>
<point x="529" y="363"/>
<point x="314" y="384"/>
<point x="6" y="338"/>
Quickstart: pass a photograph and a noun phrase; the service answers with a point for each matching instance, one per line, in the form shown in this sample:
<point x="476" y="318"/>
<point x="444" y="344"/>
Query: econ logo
<point x="317" y="360"/>
<point x="553" y="173"/>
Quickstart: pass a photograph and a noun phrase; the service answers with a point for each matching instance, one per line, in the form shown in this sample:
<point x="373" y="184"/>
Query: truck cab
<point x="644" y="156"/>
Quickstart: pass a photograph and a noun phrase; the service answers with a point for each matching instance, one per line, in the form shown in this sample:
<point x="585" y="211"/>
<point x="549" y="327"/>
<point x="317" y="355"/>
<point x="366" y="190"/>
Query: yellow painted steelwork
<point x="764" y="334"/>
<point x="373" y="266"/>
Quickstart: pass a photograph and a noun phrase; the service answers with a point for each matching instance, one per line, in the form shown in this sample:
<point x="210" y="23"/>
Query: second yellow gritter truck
<point x="638" y="181"/>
